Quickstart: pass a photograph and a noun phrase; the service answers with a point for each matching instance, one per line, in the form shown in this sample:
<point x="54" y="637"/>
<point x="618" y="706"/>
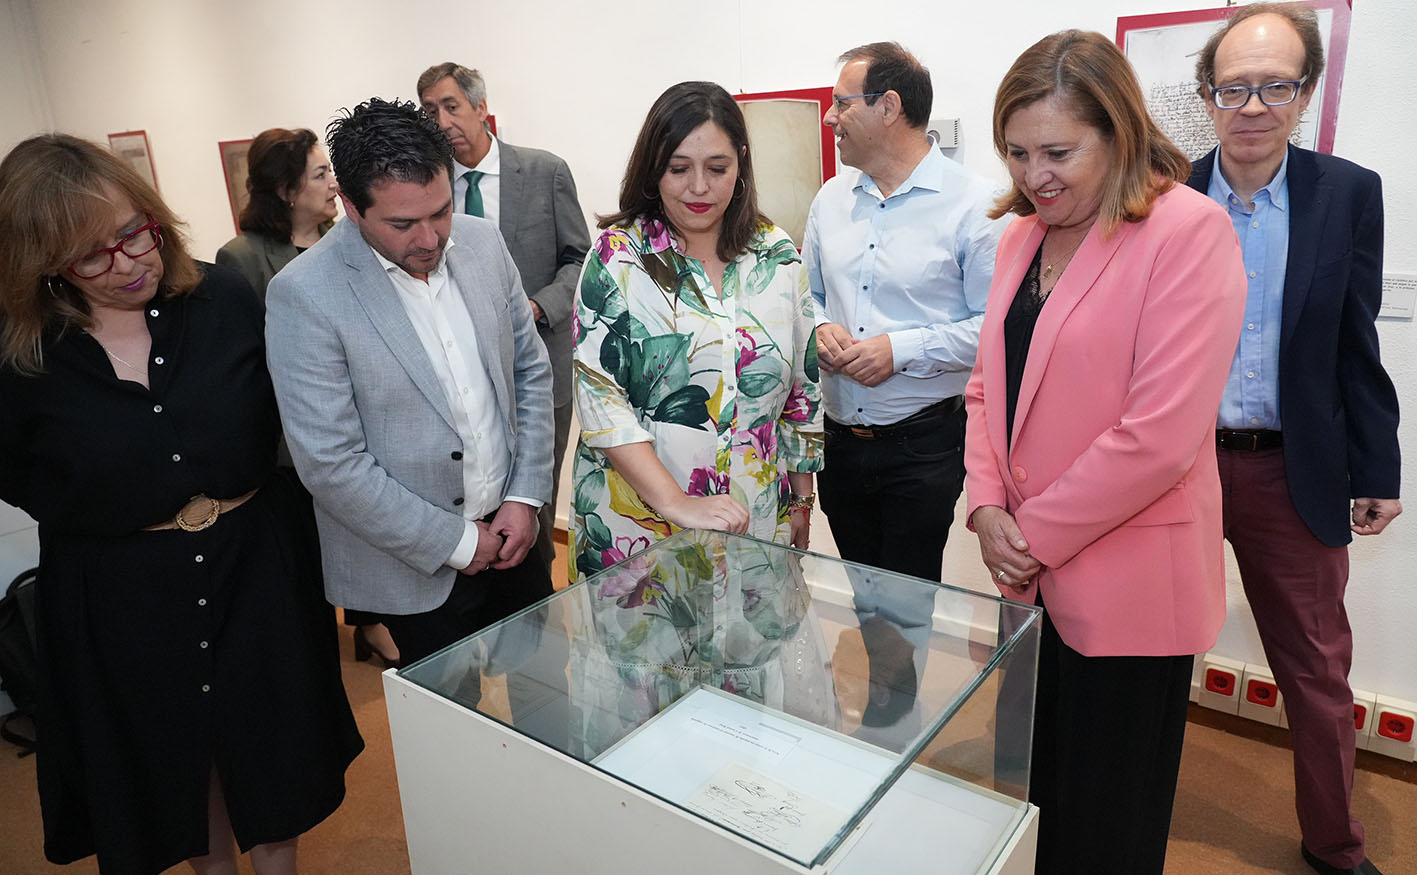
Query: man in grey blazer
<point x="415" y="394"/>
<point x="531" y="196"/>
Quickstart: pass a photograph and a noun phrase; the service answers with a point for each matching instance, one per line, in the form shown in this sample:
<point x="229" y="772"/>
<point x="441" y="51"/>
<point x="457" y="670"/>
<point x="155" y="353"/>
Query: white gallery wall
<point x="576" y="78"/>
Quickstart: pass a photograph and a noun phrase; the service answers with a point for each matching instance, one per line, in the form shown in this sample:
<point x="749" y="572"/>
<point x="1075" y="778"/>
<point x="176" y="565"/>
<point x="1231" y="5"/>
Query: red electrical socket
<point x="1258" y="692"/>
<point x="1220" y="682"/>
<point x="1398" y="727"/>
<point x="1360" y="716"/>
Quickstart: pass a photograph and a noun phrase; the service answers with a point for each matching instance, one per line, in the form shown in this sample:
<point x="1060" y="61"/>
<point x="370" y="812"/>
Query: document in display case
<point x="719" y="704"/>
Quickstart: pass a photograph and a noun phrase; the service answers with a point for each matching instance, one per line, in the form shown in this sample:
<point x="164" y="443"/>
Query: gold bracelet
<point x="801" y="502"/>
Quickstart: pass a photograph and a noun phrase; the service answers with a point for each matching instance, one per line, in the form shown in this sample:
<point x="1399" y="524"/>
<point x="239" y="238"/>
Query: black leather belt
<point x="1247" y="440"/>
<point x="926" y="418"/>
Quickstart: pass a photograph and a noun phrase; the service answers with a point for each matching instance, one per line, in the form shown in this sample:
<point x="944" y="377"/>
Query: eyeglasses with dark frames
<point x="1279" y="93"/>
<point x="100" y="261"/>
<point x="843" y="102"/>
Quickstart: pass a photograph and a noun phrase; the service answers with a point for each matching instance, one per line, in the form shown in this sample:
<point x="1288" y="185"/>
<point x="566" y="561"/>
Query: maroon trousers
<point x="1295" y="587"/>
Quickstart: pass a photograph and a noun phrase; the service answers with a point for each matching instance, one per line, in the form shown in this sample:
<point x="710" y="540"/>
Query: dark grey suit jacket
<point x="541" y="220"/>
<point x="256" y="257"/>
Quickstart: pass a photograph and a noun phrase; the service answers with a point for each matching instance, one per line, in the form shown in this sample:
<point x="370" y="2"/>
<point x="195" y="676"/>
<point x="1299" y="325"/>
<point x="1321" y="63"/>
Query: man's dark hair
<point x="891" y="68"/>
<point x="381" y="141"/>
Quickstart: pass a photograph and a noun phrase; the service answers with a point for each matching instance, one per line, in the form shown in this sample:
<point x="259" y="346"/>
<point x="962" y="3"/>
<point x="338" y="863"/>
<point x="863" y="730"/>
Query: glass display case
<point x="742" y="701"/>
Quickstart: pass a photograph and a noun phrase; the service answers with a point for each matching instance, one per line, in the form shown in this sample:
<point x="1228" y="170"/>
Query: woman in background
<point x="695" y="358"/>
<point x="1090" y="444"/>
<point x="190" y="694"/>
<point x="292" y="204"/>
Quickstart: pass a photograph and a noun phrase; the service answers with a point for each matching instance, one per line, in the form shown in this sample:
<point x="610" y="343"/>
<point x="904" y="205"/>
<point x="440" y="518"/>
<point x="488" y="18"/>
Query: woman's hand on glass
<point x="1003" y="547"/>
<point x="719" y="512"/>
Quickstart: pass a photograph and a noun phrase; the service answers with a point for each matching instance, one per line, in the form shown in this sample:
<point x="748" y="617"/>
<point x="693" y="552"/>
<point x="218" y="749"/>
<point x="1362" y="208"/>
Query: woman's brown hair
<point x="1090" y="75"/>
<point x="55" y="207"/>
<point x="675" y="115"/>
<point x="275" y="173"/>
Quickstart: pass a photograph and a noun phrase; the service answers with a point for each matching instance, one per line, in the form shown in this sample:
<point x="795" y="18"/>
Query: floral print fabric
<point x="725" y="387"/>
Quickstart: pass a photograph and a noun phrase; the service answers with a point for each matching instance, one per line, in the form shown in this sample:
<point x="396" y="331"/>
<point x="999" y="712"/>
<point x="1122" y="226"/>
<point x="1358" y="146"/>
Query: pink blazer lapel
<point x="1079" y="278"/>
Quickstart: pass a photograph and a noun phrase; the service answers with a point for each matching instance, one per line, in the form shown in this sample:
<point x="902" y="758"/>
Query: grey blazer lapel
<point x="472" y="284"/>
<point x="277" y="255"/>
<point x="377" y="295"/>
<point x="509" y="208"/>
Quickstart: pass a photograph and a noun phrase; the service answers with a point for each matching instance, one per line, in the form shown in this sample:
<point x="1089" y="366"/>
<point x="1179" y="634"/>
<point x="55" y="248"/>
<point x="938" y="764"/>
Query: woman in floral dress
<point x="695" y="359"/>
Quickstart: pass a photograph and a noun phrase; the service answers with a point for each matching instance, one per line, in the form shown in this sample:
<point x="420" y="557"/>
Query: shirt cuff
<point x="466" y="548"/>
<point x="906" y="347"/>
<point x="531" y="501"/>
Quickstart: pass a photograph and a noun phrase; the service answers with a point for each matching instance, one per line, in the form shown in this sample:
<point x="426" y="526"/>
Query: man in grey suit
<point x="531" y="196"/>
<point x="415" y="394"/>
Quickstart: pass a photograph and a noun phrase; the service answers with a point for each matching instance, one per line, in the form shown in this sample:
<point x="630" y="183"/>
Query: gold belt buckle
<point x="865" y="433"/>
<point x="213" y="512"/>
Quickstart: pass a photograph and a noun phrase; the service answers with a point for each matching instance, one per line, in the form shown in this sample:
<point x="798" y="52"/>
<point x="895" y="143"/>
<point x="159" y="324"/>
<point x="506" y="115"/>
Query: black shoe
<point x="364" y="648"/>
<point x="1364" y="868"/>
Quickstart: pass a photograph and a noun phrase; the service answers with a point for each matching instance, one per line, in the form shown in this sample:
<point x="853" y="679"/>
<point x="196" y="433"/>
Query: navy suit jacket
<point x="1338" y="405"/>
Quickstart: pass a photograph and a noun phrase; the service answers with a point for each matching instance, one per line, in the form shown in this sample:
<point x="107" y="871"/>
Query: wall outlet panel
<point x="1365" y="706"/>
<point x="1394" y="731"/>
<point x="1259" y="696"/>
<point x="1220" y="683"/>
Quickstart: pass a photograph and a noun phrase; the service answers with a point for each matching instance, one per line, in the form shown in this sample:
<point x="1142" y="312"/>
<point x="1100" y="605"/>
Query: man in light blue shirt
<point x="900" y="255"/>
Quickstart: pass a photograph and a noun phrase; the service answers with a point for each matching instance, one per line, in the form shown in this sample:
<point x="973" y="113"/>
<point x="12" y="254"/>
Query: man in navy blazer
<point x="1307" y="433"/>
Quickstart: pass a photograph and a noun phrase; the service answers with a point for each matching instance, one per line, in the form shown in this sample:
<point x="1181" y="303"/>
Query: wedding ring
<point x="999" y="574"/>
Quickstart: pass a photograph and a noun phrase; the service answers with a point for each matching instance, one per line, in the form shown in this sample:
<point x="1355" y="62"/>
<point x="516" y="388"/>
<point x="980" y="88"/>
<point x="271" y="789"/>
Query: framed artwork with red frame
<point x="1163" y="48"/>
<point x="132" y="146"/>
<point x="234" y="169"/>
<point x="793" y="152"/>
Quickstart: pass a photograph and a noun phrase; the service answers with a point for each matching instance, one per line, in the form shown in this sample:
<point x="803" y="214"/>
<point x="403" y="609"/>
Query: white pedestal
<point x="480" y="797"/>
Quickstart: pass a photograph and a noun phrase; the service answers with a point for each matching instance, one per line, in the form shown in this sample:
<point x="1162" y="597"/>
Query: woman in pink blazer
<point x="1090" y="451"/>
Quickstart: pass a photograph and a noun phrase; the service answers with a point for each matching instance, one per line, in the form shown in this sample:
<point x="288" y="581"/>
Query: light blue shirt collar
<point x="1276" y="189"/>
<point x="929" y="175"/>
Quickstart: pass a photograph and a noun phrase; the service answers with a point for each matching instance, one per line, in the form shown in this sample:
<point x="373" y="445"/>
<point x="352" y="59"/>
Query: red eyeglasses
<point x="100" y="261"/>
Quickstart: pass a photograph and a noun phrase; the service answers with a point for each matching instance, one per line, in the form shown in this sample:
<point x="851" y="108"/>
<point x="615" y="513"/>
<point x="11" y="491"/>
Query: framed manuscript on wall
<point x="132" y="147"/>
<point x="235" y="171"/>
<point x="793" y="152"/>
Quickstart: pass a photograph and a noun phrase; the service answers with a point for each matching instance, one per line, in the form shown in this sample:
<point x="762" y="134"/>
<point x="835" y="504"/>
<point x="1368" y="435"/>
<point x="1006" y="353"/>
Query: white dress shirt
<point x="490" y="184"/>
<point x="440" y="318"/>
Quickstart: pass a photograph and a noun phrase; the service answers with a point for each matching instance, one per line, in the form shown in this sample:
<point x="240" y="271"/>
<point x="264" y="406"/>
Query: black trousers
<point x="890" y="497"/>
<point x="474" y="603"/>
<point x="536" y="683"/>
<point x="1107" y="740"/>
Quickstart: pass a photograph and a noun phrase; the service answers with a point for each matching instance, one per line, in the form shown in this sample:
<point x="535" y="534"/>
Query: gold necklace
<point x="113" y="355"/>
<point x="1048" y="271"/>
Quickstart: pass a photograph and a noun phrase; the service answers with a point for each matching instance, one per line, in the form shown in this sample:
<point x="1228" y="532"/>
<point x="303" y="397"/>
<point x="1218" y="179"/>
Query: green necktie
<point x="473" y="204"/>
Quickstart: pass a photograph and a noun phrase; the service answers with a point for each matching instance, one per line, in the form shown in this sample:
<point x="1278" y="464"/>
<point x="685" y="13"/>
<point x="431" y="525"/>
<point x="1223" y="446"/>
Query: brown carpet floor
<point x="1234" y="807"/>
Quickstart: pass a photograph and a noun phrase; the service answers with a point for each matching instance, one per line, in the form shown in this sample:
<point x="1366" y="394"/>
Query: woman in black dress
<point x="191" y="698"/>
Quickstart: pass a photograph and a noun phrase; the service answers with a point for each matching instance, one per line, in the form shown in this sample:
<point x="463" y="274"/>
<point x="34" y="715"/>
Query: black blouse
<point x="1018" y="333"/>
<point x="84" y="452"/>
